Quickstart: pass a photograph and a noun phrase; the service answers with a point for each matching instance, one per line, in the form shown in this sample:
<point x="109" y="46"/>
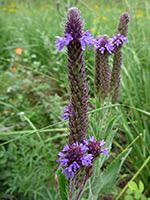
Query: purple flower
<point x="123" y="24"/>
<point x="68" y="172"/>
<point x="104" y="48"/>
<point x="94" y="147"/>
<point x="119" y="39"/>
<point x="103" y="44"/>
<point x="86" y="38"/>
<point x="105" y="151"/>
<point x="76" y="75"/>
<point x="71" y="169"/>
<point x="60" y="42"/>
<point x="87" y="159"/>
<point x="73" y="157"/>
<point x="67" y="112"/>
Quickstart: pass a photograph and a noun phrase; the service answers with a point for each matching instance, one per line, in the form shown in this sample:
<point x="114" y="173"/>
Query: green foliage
<point x="135" y="191"/>
<point x="103" y="182"/>
<point x="62" y="182"/>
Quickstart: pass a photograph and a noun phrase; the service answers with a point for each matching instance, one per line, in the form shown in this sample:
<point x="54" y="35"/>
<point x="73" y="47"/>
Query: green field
<point x="34" y="91"/>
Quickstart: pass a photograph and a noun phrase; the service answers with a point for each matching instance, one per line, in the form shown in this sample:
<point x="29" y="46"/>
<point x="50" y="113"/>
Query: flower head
<point x="13" y="69"/>
<point x="18" y="51"/>
<point x="119" y="40"/>
<point x="94" y="147"/>
<point x="103" y="44"/>
<point x="74" y="157"/>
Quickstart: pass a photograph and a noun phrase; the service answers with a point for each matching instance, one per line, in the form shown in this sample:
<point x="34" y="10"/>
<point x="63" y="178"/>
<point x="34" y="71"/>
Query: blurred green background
<point x="34" y="90"/>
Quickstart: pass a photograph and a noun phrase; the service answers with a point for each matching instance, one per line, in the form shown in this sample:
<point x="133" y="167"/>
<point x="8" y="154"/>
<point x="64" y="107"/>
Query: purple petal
<point x="66" y="147"/>
<point x="105" y="151"/>
<point x="87" y="159"/>
<point x="102" y="49"/>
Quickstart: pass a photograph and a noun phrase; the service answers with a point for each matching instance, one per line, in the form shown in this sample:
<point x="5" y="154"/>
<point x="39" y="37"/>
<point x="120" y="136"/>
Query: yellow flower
<point x="12" y="10"/>
<point x="139" y="15"/>
<point x="93" y="29"/>
<point x="48" y="5"/>
<point x="104" y="18"/>
<point x="95" y="19"/>
<point x="4" y="9"/>
<point x="42" y="8"/>
<point x="96" y="6"/>
<point x="138" y="11"/>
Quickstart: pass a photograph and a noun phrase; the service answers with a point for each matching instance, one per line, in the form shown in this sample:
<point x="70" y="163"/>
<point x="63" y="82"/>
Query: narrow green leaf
<point x="62" y="183"/>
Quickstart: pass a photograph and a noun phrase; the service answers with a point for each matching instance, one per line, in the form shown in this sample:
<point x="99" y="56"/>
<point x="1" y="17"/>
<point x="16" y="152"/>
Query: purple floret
<point x="94" y="147"/>
<point x="87" y="159"/>
<point x="67" y="112"/>
<point x="103" y="44"/>
<point x="60" y="42"/>
<point x="105" y="151"/>
<point x="86" y="38"/>
<point x="119" y="39"/>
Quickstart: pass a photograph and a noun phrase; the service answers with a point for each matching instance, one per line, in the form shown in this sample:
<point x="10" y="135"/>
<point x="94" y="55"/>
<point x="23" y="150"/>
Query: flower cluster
<point x="86" y="38"/>
<point x="119" y="40"/>
<point x="103" y="44"/>
<point x="77" y="155"/>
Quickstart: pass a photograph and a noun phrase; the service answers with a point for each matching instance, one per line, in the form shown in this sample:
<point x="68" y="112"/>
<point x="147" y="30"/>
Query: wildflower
<point x="4" y="9"/>
<point x="139" y="15"/>
<point x="18" y="51"/>
<point x="63" y="41"/>
<point x="103" y="49"/>
<point x="103" y="45"/>
<point x="96" y="6"/>
<point x="42" y="8"/>
<point x="104" y="18"/>
<point x="118" y="41"/>
<point x="13" y="69"/>
<point x="95" y="147"/>
<point x="88" y="39"/>
<point x="73" y="158"/>
<point x="75" y="40"/>
<point x="67" y="112"/>
<point x="12" y="10"/>
<point x="123" y="24"/>
<point x="93" y="29"/>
